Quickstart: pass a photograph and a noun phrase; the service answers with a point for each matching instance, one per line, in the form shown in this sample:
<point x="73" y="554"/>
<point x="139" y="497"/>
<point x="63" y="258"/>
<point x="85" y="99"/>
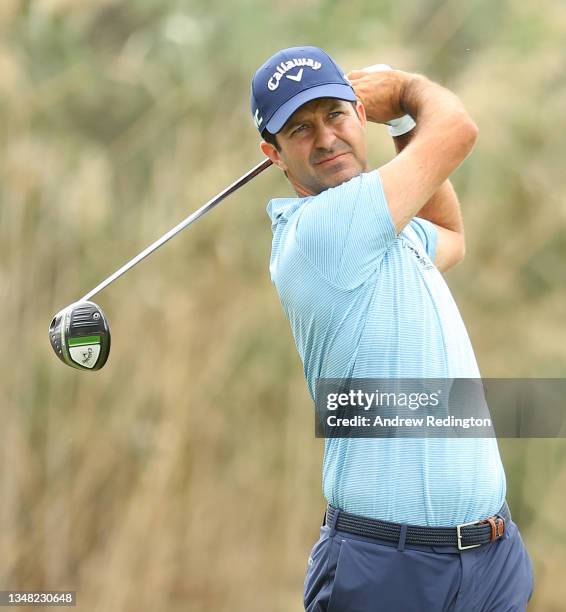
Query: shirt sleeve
<point x="346" y="230"/>
<point x="427" y="234"/>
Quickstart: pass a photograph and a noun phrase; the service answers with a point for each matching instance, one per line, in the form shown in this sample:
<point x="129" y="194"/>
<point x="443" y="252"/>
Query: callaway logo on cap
<point x="290" y="78"/>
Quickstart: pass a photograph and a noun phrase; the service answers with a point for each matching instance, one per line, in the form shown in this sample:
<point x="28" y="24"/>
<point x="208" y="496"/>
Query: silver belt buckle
<point x="459" y="533"/>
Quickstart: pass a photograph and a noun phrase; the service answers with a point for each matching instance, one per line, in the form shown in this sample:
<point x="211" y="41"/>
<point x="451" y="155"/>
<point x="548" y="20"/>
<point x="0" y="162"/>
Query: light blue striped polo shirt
<point x="364" y="302"/>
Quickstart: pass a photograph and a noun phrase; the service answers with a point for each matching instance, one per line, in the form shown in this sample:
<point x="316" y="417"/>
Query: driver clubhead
<point x="80" y="336"/>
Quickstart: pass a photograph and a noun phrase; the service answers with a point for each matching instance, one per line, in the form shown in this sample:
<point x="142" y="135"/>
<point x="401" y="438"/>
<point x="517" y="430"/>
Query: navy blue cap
<point x="290" y="78"/>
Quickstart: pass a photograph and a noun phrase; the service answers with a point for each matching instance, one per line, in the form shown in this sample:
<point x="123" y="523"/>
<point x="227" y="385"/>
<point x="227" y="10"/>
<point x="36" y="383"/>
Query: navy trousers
<point x="348" y="573"/>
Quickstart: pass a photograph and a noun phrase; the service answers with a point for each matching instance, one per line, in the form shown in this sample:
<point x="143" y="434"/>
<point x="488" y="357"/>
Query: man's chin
<point x="341" y="176"/>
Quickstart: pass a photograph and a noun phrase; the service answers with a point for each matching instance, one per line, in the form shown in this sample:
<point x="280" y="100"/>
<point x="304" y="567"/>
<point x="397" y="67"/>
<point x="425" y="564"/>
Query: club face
<point x="80" y="336"/>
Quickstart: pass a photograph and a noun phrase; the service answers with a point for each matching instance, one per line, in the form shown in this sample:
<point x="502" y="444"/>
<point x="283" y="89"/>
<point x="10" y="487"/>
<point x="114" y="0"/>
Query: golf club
<point x="79" y="333"/>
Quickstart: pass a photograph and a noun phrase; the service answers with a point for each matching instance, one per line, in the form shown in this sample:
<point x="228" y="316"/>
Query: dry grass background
<point x="185" y="475"/>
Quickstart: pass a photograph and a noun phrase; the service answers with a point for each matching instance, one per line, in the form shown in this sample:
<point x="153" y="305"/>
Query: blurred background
<point x="185" y="475"/>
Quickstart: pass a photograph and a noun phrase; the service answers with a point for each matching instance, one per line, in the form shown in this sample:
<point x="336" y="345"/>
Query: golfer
<point x="414" y="524"/>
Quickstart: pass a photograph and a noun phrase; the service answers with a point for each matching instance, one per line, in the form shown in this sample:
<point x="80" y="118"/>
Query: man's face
<point x="321" y="145"/>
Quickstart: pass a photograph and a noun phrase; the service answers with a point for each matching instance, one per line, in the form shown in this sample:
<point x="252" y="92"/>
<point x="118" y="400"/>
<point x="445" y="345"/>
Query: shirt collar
<point x="280" y="209"/>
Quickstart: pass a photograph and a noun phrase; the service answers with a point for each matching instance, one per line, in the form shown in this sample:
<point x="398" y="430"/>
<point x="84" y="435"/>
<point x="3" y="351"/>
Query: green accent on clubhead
<point x="84" y="340"/>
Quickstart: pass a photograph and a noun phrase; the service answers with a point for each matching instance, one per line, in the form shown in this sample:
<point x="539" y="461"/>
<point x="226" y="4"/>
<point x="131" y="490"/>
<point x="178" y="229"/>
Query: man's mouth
<point x="330" y="159"/>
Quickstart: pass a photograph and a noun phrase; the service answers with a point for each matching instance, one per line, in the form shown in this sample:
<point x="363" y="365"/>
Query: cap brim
<point x="331" y="90"/>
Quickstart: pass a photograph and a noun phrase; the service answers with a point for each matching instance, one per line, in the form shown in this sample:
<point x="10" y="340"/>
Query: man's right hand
<point x="380" y="92"/>
<point x="444" y="136"/>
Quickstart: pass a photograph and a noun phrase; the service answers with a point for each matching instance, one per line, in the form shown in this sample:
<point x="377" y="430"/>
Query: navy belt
<point x="464" y="536"/>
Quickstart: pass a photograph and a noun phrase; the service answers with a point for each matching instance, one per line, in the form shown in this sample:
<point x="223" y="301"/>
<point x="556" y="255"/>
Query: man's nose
<point x="324" y="137"/>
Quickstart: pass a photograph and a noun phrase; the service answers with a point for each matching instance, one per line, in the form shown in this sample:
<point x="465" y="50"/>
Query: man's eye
<point x="334" y="114"/>
<point x="300" y="128"/>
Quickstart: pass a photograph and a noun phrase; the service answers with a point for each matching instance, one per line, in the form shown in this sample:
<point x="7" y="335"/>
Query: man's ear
<point x="270" y="151"/>
<point x="361" y="110"/>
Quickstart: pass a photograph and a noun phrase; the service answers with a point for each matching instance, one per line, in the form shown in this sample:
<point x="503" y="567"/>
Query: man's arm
<point x="444" y="136"/>
<point x="443" y="209"/>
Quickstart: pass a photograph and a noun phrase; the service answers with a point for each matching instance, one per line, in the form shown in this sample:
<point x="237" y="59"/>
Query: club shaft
<point x="181" y="226"/>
